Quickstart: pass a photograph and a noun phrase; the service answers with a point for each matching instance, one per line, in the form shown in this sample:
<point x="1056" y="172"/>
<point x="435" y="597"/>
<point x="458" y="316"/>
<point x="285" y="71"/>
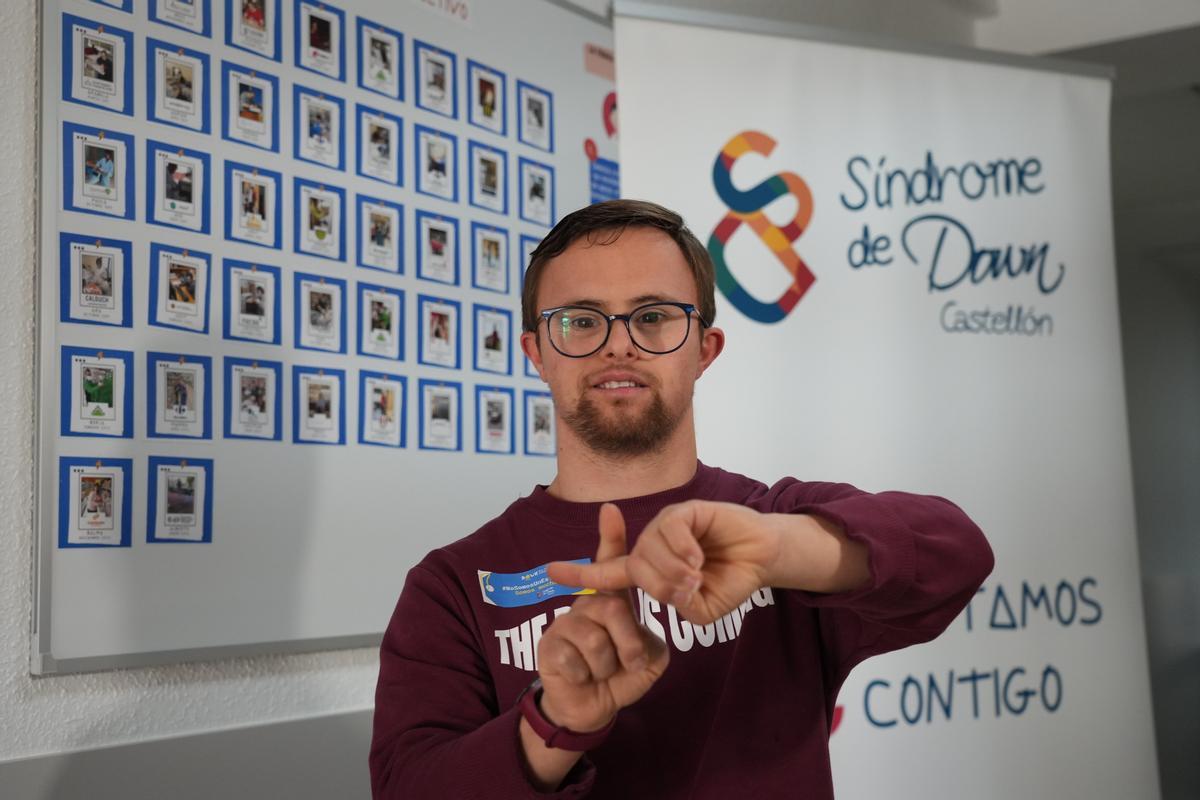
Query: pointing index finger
<point x="605" y="575"/>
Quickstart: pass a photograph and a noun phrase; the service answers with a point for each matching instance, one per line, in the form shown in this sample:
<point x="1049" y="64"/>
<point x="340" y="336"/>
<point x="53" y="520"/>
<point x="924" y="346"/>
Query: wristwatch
<point x="556" y="735"/>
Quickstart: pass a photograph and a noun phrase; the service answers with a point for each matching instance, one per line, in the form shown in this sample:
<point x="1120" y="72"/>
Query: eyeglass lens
<point x="656" y="329"/>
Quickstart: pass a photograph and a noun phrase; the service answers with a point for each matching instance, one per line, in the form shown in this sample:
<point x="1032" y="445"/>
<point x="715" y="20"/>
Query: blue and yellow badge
<point x="511" y="590"/>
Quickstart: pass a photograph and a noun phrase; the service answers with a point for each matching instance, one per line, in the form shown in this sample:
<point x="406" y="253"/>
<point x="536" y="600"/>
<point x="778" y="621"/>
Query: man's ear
<point x="711" y="344"/>
<point x="533" y="349"/>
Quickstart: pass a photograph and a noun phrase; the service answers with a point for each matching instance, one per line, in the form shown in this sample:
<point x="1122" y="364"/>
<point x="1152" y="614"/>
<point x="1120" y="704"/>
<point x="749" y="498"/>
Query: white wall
<point x="58" y="714"/>
<point x="1042" y="26"/>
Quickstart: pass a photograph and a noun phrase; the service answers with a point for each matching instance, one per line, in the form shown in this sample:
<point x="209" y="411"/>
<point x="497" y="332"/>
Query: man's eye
<point x="651" y="318"/>
<point x="583" y="323"/>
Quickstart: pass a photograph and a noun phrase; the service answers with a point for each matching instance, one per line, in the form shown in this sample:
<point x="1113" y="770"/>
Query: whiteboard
<point x="198" y="509"/>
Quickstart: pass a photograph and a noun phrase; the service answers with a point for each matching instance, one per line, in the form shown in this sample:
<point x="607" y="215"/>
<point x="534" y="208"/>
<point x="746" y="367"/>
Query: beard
<point x="627" y="435"/>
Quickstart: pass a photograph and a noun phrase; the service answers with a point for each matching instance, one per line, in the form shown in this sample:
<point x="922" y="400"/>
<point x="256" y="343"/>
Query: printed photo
<point x="380" y="60"/>
<point x="381" y="321"/>
<point x="96" y="383"/>
<point x="494" y="412"/>
<point x="250" y="103"/>
<point x="383" y="406"/>
<point x="380" y="138"/>
<point x="319" y="402"/>
<point x="181" y="287"/>
<point x="97" y="62"/>
<point x="252" y="407"/>
<point x="320" y="216"/>
<point x="95" y="502"/>
<point x="178" y="182"/>
<point x="439" y="407"/>
<point x="320" y="311"/>
<point x="99" y="167"/>
<point x="439" y="328"/>
<point x="435" y="77"/>
<point x="181" y="496"/>
<point x="487" y="97"/>
<point x="178" y="83"/>
<point x="179" y="400"/>
<point x="254" y="15"/>
<point x="252" y="298"/>
<point x="489" y="176"/>
<point x="535" y="115"/>
<point x="96" y="280"/>
<point x="320" y="33"/>
<point x="254" y="205"/>
<point x="381" y="230"/>
<point x="320" y="124"/>
<point x="541" y="419"/>
<point x="436" y="153"/>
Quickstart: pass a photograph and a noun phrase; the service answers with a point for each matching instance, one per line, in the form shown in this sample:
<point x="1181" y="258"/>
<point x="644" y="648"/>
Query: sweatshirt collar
<point x="643" y="508"/>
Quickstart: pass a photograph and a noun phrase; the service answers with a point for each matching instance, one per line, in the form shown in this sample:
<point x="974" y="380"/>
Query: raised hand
<point x="598" y="658"/>
<point x="703" y="557"/>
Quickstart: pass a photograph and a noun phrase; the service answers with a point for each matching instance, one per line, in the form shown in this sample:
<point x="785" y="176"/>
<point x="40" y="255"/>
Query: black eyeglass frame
<point x="687" y="308"/>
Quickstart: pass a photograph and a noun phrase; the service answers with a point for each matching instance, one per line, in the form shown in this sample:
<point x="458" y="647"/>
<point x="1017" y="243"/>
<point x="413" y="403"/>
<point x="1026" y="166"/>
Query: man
<point x="768" y="596"/>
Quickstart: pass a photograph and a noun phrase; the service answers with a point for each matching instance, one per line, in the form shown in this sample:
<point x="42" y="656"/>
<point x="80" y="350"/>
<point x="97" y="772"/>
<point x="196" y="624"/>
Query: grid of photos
<point x="460" y="151"/>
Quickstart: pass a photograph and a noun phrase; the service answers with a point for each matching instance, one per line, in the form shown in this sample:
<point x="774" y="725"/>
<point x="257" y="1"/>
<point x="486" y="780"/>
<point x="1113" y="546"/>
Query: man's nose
<point x="620" y="343"/>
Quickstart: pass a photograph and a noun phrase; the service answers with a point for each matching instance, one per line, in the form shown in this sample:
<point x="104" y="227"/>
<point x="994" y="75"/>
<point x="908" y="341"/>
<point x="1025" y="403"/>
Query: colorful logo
<point x="746" y="207"/>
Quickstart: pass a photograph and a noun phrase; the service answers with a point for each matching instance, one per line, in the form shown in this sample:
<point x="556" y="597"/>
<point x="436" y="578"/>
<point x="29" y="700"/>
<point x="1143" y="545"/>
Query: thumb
<point x="612" y="533"/>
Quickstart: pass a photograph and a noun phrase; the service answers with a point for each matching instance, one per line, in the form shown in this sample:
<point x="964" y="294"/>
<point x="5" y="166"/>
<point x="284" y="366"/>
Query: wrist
<point x="559" y="716"/>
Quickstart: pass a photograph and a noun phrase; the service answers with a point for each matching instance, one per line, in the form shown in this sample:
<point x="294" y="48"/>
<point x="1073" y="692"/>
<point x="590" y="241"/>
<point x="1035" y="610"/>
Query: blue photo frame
<point x="361" y="29"/>
<point x="72" y="130"/>
<point x="423" y="266"/>
<point x="298" y="317"/>
<point x="474" y="69"/>
<point x="66" y="379"/>
<point x="363" y="234"/>
<point x="475" y="193"/>
<point x="340" y="374"/>
<point x="270" y="110"/>
<point x="481" y="415"/>
<point x="153" y="112"/>
<point x="478" y="309"/>
<point x="338" y="74"/>
<point x="528" y="423"/>
<point x="69" y="241"/>
<point x="205" y="464"/>
<point x="227" y="303"/>
<point x="550" y="199"/>
<point x="298" y="185"/>
<point x="449" y="169"/>
<point x="523" y="134"/>
<point x="153" y="148"/>
<point x="232" y="203"/>
<point x="205" y="27"/>
<point x="119" y="5"/>
<point x="271" y="45"/>
<point x="454" y="386"/>
<point x="478" y="228"/>
<point x="360" y="123"/>
<point x="153" y="359"/>
<point x="157" y="251"/>
<point x="398" y="324"/>
<point x="65" y="465"/>
<point x="69" y="66"/>
<point x="423" y="95"/>
<point x="231" y="405"/>
<point x="364" y="411"/>
<point x="298" y="132"/>
<point x="422" y="301"/>
<point x="527" y="244"/>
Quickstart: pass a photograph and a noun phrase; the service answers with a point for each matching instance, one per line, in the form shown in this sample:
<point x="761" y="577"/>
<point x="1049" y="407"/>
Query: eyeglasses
<point x="658" y="328"/>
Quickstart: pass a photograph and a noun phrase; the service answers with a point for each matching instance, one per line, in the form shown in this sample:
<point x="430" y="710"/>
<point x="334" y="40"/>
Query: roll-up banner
<point x="915" y="274"/>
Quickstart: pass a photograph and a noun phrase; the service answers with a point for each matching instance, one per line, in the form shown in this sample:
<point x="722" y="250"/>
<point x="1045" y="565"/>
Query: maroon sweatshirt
<point x="745" y="706"/>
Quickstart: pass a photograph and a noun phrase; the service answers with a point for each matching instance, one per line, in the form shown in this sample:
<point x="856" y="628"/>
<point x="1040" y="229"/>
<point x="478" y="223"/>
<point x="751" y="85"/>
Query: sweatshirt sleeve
<point x="438" y="731"/>
<point x="927" y="559"/>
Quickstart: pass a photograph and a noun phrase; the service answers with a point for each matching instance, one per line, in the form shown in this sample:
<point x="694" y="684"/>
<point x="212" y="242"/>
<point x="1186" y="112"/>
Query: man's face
<point x="593" y="395"/>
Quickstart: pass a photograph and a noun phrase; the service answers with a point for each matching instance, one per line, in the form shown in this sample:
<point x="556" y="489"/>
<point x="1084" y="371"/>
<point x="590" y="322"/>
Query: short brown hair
<point x="613" y="217"/>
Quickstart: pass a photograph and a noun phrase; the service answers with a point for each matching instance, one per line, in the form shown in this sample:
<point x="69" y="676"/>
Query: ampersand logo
<point x="746" y="207"/>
